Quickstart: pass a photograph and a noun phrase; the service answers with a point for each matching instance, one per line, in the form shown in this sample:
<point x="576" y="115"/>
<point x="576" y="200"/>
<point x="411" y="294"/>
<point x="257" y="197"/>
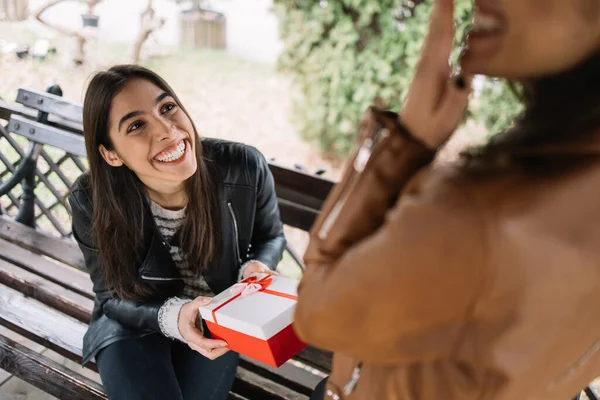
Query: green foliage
<point x="349" y="54"/>
<point x="497" y="105"/>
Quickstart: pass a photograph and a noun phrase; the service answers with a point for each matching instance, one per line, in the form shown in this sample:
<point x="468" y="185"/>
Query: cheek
<point x="186" y="124"/>
<point x="564" y="22"/>
<point x="189" y="128"/>
<point x="134" y="152"/>
<point x="544" y="37"/>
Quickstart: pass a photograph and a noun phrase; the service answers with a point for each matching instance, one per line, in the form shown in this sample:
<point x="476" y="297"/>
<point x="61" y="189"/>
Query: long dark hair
<point x="120" y="224"/>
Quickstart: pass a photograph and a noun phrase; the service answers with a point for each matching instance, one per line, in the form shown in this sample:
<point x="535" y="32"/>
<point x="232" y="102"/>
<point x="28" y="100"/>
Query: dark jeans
<point x="157" y="368"/>
<point x="319" y="392"/>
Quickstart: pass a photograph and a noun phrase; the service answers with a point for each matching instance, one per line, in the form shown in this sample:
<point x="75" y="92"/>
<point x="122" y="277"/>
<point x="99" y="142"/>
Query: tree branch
<point x="38" y="16"/>
<point x="81" y="39"/>
<point x="148" y="24"/>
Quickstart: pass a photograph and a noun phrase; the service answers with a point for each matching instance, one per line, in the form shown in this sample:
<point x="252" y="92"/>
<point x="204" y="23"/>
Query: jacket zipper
<point x="235" y="228"/>
<point x="360" y="162"/>
<point x="351" y="385"/>
<point x="155" y="278"/>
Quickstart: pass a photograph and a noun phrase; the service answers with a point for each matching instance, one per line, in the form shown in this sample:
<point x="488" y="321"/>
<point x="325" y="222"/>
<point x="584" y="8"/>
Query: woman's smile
<point x="173" y="154"/>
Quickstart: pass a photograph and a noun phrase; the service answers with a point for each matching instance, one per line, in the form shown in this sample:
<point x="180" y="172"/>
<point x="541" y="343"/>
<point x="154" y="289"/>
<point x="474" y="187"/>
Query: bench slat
<point x="300" y="195"/>
<point x="234" y="396"/>
<point x="43" y="341"/>
<point x="50" y="103"/>
<point x="46" y="374"/>
<point x="8" y="109"/>
<point x="61" y="274"/>
<point x="63" y="250"/>
<point x="316" y="358"/>
<point x="305" y="184"/>
<point x="309" y="202"/>
<point x="254" y="386"/>
<point x="288" y="375"/>
<point x="47" y="292"/>
<point x="296" y="215"/>
<point x="42" y="321"/>
<point x="42" y="133"/>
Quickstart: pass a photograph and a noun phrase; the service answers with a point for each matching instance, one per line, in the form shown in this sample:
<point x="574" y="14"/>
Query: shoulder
<point x="238" y="163"/>
<point x="444" y="231"/>
<point x="79" y="199"/>
<point x="444" y="204"/>
<point x="80" y="195"/>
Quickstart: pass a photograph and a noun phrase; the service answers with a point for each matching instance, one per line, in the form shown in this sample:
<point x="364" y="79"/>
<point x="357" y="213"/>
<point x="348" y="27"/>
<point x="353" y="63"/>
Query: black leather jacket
<point x="251" y="228"/>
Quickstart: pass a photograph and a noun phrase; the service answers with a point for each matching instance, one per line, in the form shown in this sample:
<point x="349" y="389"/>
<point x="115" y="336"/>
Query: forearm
<point x="371" y="183"/>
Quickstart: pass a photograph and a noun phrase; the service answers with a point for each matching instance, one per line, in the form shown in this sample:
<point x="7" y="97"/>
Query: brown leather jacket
<point x="479" y="282"/>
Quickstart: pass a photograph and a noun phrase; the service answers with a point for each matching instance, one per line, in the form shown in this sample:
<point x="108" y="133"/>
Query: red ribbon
<point x="264" y="284"/>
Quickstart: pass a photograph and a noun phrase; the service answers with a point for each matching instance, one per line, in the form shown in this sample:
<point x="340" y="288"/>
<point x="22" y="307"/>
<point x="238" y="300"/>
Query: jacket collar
<point x="158" y="263"/>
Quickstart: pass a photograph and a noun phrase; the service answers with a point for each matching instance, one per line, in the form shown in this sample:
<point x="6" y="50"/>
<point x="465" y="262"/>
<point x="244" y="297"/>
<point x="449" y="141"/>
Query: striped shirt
<point x="168" y="223"/>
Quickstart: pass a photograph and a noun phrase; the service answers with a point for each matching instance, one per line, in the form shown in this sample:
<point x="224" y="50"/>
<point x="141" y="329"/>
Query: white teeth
<point x="174" y="155"/>
<point x="486" y="22"/>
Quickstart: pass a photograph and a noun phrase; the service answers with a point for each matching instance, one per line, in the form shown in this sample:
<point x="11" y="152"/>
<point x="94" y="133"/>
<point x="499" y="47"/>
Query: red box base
<point x="274" y="352"/>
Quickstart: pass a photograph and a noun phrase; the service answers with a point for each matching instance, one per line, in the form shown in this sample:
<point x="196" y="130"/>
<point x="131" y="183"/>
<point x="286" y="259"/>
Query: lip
<point x="486" y="7"/>
<point x="483" y="42"/>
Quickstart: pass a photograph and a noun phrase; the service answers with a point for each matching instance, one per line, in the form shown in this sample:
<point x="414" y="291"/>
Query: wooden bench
<point x="45" y="292"/>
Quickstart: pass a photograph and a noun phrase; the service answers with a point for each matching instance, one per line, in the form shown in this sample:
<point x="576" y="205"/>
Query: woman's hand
<point x="188" y="315"/>
<point x="435" y="104"/>
<point x="256" y="268"/>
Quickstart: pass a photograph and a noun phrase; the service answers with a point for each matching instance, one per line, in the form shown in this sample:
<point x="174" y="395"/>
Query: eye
<point x="168" y="107"/>
<point x="135" y="126"/>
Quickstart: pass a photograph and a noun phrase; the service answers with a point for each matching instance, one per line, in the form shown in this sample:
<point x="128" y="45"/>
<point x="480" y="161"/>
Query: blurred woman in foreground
<point x="478" y="280"/>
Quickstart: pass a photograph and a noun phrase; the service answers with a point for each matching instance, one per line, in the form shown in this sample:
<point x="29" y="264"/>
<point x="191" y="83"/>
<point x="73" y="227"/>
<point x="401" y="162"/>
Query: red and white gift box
<point x="255" y="318"/>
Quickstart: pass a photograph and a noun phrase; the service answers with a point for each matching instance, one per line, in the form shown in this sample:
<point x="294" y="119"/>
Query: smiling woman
<point x="140" y="112"/>
<point x="164" y="220"/>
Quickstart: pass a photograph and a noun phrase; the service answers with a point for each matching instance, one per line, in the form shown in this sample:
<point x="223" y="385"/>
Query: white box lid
<point x="260" y="314"/>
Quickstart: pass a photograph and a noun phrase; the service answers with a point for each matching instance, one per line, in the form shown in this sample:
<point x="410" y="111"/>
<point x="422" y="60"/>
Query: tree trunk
<point x="79" y="54"/>
<point x="15" y="10"/>
<point x="148" y="24"/>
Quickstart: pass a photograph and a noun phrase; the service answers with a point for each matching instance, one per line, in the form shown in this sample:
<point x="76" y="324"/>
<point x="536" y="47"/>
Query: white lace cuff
<point x="168" y="317"/>
<point x="245" y="265"/>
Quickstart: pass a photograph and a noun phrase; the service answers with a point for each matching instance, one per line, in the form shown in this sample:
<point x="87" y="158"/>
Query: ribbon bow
<point x="250" y="285"/>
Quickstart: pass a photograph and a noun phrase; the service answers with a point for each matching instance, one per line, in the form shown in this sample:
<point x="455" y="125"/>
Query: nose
<point x="165" y="130"/>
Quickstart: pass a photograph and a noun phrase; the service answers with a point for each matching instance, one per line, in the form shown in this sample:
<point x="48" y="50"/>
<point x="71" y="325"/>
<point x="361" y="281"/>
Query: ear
<point x="110" y="156"/>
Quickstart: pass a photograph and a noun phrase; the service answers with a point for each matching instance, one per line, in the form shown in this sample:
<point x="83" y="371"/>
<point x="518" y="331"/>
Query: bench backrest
<point x="50" y="104"/>
<point x="38" y="132"/>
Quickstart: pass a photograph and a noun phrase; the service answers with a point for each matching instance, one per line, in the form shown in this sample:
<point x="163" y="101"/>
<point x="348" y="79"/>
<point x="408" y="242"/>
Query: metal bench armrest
<point x="25" y="167"/>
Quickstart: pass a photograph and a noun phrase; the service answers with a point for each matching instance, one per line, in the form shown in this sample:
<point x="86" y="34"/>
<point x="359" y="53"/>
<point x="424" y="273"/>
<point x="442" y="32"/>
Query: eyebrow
<point x="134" y="114"/>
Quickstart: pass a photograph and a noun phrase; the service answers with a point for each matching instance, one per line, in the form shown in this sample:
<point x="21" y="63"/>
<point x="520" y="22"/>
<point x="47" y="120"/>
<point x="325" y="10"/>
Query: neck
<point x="173" y="198"/>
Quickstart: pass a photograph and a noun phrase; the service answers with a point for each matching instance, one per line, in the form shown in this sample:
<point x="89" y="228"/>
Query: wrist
<point x="168" y="317"/>
<point x="410" y="132"/>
